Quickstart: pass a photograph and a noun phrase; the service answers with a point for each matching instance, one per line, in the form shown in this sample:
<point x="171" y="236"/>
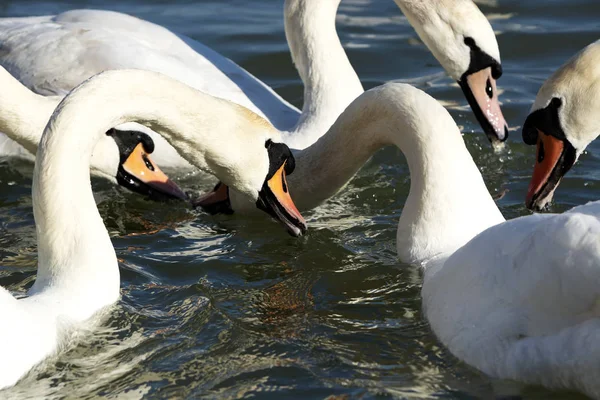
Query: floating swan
<point x="78" y="275"/>
<point x="122" y="157"/>
<point x="52" y="54"/>
<point x="518" y="299"/>
<point x="563" y="122"/>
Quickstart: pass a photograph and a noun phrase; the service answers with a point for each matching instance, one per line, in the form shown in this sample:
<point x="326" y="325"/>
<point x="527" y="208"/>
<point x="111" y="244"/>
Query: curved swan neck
<point x="70" y="230"/>
<point x="23" y="114"/>
<point x="191" y="121"/>
<point x="448" y="201"/>
<point x="330" y="82"/>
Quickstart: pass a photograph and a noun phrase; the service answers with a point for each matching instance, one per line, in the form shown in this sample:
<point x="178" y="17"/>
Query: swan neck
<point x="74" y="247"/>
<point x="23" y="114"/>
<point x="448" y="202"/>
<point x="330" y="82"/>
<point x="75" y="255"/>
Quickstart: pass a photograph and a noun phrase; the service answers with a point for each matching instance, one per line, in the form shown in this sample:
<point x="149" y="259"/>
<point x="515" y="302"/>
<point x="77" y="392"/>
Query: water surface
<point x="228" y="308"/>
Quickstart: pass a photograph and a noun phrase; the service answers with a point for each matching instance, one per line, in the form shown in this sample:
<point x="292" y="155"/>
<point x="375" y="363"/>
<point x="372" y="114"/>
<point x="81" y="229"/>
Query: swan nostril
<point x="540" y="154"/>
<point x="148" y="163"/>
<point x="488" y="89"/>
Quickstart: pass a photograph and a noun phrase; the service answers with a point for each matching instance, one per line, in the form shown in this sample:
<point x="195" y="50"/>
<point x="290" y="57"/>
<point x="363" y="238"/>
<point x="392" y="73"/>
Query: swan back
<point x="488" y="303"/>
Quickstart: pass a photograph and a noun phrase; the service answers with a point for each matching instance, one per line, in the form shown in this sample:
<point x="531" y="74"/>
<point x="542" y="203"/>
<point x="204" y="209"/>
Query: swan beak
<point x="480" y="90"/>
<point x="140" y="174"/>
<point x="215" y="202"/>
<point x="554" y="157"/>
<point x="274" y="198"/>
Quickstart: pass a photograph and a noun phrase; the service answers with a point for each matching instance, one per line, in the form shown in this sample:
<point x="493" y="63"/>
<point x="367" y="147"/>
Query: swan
<point x="52" y="54"/>
<point x="563" y="122"/>
<point x="121" y="156"/>
<point x="487" y="282"/>
<point x="518" y="301"/>
<point x="78" y="276"/>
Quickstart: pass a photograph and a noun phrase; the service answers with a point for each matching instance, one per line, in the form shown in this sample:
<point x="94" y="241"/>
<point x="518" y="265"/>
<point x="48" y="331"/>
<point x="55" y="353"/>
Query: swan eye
<point x="488" y="89"/>
<point x="149" y="164"/>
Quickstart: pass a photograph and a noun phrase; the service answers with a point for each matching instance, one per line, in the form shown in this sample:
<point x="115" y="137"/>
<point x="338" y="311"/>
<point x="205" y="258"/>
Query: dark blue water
<point x="228" y="308"/>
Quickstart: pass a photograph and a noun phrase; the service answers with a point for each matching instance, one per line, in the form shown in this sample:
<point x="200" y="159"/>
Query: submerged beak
<point x="215" y="202"/>
<point x="554" y="158"/>
<point x="480" y="90"/>
<point x="140" y="174"/>
<point x="274" y="198"/>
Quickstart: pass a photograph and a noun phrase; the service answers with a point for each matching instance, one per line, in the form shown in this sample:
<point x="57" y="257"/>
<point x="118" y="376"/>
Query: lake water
<point x="228" y="308"/>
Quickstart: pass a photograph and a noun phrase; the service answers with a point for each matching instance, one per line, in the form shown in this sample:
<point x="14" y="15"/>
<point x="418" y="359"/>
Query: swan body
<point x="521" y="301"/>
<point x="52" y="54"/>
<point x="563" y="122"/>
<point x="78" y="275"/>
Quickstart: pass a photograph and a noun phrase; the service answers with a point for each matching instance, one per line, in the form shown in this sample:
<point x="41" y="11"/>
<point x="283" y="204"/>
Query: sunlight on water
<point x="218" y="307"/>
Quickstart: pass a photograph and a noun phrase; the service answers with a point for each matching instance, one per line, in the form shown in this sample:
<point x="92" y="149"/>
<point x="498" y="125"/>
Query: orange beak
<point x="549" y="168"/>
<point x="549" y="150"/>
<point x="279" y="187"/>
<point x="140" y="166"/>
<point x="275" y="199"/>
<point x="482" y="94"/>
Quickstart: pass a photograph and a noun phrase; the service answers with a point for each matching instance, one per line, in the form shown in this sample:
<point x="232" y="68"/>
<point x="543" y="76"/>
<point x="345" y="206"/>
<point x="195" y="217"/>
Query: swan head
<point x="463" y="41"/>
<point x="124" y="157"/>
<point x="272" y="197"/>
<point x="562" y="123"/>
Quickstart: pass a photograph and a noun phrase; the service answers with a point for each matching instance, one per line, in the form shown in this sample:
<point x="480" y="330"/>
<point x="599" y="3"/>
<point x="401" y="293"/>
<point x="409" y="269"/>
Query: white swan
<point x="521" y="300"/>
<point x="563" y="122"/>
<point x="78" y="275"/>
<point x="518" y="300"/>
<point x="122" y="157"/>
<point x="52" y="54"/>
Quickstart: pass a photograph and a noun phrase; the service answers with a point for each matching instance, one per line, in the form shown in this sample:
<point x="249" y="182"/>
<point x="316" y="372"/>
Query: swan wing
<point x="53" y="54"/>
